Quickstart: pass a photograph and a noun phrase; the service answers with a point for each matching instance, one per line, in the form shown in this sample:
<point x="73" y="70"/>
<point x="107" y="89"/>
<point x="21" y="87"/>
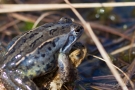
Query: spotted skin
<point x="34" y="54"/>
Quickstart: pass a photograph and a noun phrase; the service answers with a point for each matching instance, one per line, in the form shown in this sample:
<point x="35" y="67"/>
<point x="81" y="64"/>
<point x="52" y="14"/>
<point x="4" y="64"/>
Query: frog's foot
<point x="14" y="80"/>
<point x="56" y="84"/>
<point x="9" y="85"/>
<point x="64" y="67"/>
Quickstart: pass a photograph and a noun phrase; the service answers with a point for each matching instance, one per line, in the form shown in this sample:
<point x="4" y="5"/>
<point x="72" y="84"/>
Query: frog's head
<point x="63" y="26"/>
<point x="76" y="31"/>
<point x="75" y="28"/>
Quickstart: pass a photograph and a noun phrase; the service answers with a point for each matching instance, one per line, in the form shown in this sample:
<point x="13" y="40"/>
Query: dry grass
<point x="100" y="47"/>
<point x="41" y="18"/>
<point x="122" y="49"/>
<point x="126" y="76"/>
<point x="35" y="7"/>
<point x="4" y="8"/>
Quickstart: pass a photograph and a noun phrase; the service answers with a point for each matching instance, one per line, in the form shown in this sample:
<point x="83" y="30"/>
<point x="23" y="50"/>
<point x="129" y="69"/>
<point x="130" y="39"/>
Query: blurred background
<point x="114" y="27"/>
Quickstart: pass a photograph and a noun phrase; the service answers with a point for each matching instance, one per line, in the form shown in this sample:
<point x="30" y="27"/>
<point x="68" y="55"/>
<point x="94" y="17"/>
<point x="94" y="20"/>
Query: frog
<point x="35" y="53"/>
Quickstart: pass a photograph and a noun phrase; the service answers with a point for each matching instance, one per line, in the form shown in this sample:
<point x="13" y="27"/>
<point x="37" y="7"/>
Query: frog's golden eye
<point x="78" y="55"/>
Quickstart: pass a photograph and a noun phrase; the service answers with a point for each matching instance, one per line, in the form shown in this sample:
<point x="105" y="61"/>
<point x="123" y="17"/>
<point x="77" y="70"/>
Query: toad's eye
<point x="78" y="54"/>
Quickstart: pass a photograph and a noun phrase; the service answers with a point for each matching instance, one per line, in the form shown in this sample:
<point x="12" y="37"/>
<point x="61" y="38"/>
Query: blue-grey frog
<point x="35" y="53"/>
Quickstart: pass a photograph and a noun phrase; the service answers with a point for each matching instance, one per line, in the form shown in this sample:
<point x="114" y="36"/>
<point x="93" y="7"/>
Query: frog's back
<point x="29" y="41"/>
<point x="43" y="59"/>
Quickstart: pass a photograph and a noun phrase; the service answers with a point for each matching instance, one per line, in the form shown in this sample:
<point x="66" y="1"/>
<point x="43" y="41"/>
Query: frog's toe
<point x="57" y="83"/>
<point x="29" y="84"/>
<point x="17" y="81"/>
<point x="9" y="85"/>
<point x="23" y="81"/>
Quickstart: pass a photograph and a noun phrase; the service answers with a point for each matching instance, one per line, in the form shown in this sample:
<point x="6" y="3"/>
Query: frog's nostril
<point x="78" y="30"/>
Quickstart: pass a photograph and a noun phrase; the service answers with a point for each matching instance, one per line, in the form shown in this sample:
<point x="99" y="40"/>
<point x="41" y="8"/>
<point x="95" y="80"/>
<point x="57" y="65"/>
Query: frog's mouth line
<point x="74" y="35"/>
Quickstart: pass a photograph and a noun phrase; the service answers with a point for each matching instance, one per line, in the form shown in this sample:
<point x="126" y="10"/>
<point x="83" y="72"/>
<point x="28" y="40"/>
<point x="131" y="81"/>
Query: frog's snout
<point x="78" y="31"/>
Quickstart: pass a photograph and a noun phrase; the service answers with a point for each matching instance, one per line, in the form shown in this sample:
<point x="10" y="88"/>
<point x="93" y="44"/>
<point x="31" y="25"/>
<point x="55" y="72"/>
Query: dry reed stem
<point x="122" y="49"/>
<point x="123" y="62"/>
<point x="101" y="88"/>
<point x="105" y="85"/>
<point x="131" y="44"/>
<point x="7" y="8"/>
<point x="41" y="17"/>
<point x="130" y="71"/>
<point x="21" y="17"/>
<point x="109" y="30"/>
<point x="127" y="76"/>
<point x="100" y="47"/>
<point x="104" y="77"/>
<point x="93" y="25"/>
<point x="16" y="28"/>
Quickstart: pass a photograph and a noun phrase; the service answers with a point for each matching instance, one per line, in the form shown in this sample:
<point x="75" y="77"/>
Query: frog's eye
<point x="79" y="54"/>
<point x="65" y="20"/>
<point x="79" y="30"/>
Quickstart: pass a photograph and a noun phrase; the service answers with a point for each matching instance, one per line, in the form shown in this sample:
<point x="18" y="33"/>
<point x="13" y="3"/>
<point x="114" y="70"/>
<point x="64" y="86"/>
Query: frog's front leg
<point x="64" y="67"/>
<point x="66" y="73"/>
<point x="62" y="75"/>
<point x="15" y="80"/>
<point x="57" y="83"/>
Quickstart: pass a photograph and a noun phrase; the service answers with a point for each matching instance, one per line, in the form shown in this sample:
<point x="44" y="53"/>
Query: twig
<point x="32" y="18"/>
<point x="9" y="25"/>
<point x="122" y="49"/>
<point x="131" y="70"/>
<point x="15" y="25"/>
<point x="109" y="30"/>
<point x="6" y="8"/>
<point x="105" y="85"/>
<point x="93" y="25"/>
<point x="100" y="48"/>
<point x="102" y="87"/>
<point x="41" y="17"/>
<point x="103" y="77"/>
<point x="122" y="61"/>
<point x="127" y="78"/>
<point x="132" y="42"/>
<point x="21" y="17"/>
